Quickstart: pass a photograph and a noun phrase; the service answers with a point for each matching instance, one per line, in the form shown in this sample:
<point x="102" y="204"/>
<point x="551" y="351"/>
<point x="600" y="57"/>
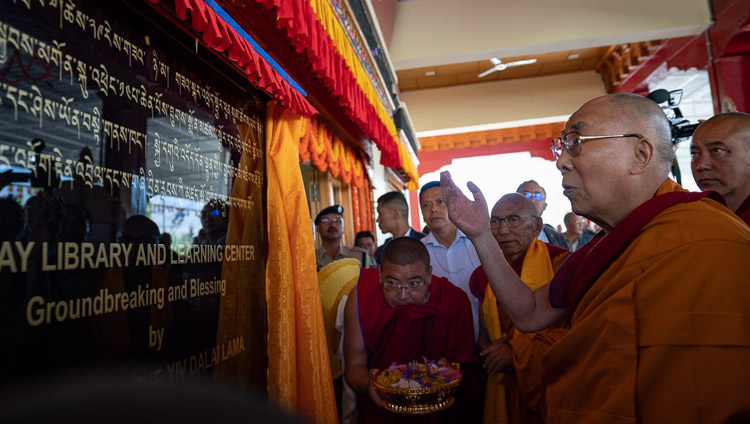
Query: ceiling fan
<point x="500" y="66"/>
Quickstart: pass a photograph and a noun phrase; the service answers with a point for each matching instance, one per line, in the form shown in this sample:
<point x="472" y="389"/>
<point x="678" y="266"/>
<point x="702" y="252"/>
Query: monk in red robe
<point x="657" y="302"/>
<point x="514" y="359"/>
<point x="401" y="313"/>
<point x="721" y="159"/>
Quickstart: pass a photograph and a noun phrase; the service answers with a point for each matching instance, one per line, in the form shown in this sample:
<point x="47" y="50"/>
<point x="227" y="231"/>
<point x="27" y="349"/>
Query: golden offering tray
<point x="418" y="401"/>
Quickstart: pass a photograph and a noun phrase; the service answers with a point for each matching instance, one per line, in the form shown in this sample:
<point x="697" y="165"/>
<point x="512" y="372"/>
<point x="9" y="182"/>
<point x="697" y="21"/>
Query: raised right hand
<point x="471" y="217"/>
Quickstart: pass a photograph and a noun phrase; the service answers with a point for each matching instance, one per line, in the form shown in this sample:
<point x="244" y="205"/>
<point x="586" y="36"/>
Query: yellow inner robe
<point x="536" y="271"/>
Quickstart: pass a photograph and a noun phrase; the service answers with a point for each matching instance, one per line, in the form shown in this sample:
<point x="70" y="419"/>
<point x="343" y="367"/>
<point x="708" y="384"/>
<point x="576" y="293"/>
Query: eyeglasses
<point x="512" y="221"/>
<point x="411" y="286"/>
<point x="535" y="195"/>
<point x="333" y="220"/>
<point x="571" y="142"/>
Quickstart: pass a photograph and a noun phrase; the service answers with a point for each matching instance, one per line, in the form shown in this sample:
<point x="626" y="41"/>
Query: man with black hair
<point x="532" y="190"/>
<point x="452" y="255"/>
<point x="365" y="240"/>
<point x="393" y="217"/>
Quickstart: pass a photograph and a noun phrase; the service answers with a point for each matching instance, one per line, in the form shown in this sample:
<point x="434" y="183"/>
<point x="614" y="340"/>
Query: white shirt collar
<point x="430" y="238"/>
<point x="408" y="229"/>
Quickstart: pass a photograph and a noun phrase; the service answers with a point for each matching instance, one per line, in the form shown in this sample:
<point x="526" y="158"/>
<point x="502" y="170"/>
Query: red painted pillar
<point x="729" y="70"/>
<point x="732" y="74"/>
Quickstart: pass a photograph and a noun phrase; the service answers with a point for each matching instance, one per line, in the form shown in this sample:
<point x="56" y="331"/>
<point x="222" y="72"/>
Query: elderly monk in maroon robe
<point x="721" y="159"/>
<point x="401" y="313"/>
<point x="514" y="359"/>
<point x="657" y="302"/>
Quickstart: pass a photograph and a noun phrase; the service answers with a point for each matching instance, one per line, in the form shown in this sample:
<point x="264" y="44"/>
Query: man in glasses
<point x="400" y="313"/>
<point x="513" y="359"/>
<point x="330" y="225"/>
<point x="657" y="302"/>
<point x="721" y="159"/>
<point x="532" y="190"/>
<point x="215" y="221"/>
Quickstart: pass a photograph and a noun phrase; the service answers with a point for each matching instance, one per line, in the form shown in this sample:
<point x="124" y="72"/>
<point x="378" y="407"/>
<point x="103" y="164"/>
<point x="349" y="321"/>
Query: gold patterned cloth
<point x="336" y="280"/>
<point x="299" y="374"/>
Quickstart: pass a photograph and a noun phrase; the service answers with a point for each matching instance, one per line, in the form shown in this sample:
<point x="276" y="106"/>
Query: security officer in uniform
<point x="330" y="225"/>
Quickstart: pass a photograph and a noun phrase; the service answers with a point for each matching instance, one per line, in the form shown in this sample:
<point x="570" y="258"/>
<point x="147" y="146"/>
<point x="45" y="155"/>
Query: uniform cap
<point x="337" y="209"/>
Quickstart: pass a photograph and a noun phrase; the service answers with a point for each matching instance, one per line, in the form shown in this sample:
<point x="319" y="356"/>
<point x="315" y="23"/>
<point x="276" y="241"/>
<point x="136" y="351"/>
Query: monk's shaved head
<point x="626" y="162"/>
<point x="736" y="122"/>
<point x="720" y="152"/>
<point x="525" y="205"/>
<point x="515" y="223"/>
<point x="647" y="119"/>
<point x="405" y="251"/>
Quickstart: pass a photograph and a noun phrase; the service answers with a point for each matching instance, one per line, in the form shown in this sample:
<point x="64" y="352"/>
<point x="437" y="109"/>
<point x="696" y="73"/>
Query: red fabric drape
<point x="221" y="37"/>
<point x="299" y="24"/>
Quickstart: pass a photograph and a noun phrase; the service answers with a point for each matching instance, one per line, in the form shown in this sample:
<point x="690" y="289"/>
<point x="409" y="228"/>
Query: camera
<point x="681" y="128"/>
<point x="669" y="101"/>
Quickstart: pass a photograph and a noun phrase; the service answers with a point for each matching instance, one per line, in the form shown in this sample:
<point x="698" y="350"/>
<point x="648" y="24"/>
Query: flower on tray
<point x="416" y="374"/>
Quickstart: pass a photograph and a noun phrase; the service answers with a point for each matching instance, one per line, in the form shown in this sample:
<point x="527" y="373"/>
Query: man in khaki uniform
<point x="330" y="225"/>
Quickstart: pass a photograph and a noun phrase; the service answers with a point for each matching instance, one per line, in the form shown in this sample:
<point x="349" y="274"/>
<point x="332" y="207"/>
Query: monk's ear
<point x="644" y="150"/>
<point x="538" y="224"/>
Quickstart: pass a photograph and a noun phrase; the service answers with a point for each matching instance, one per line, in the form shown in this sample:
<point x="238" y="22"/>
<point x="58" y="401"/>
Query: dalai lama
<point x="657" y="302"/>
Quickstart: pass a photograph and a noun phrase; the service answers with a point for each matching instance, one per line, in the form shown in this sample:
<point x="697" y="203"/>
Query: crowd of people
<point x="643" y="320"/>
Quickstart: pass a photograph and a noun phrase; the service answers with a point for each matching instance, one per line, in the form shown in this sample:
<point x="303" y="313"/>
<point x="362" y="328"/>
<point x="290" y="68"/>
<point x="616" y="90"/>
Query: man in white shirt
<point x="452" y="255"/>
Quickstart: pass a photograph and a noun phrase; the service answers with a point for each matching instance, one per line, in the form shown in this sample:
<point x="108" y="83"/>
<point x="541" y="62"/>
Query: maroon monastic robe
<point x="744" y="211"/>
<point x="440" y="328"/>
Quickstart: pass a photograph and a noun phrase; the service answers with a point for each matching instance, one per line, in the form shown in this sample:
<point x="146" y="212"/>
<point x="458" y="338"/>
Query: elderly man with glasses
<point x="657" y="301"/>
<point x="513" y="359"/>
<point x="329" y="224"/>
<point x="401" y="313"/>
<point x="532" y="190"/>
